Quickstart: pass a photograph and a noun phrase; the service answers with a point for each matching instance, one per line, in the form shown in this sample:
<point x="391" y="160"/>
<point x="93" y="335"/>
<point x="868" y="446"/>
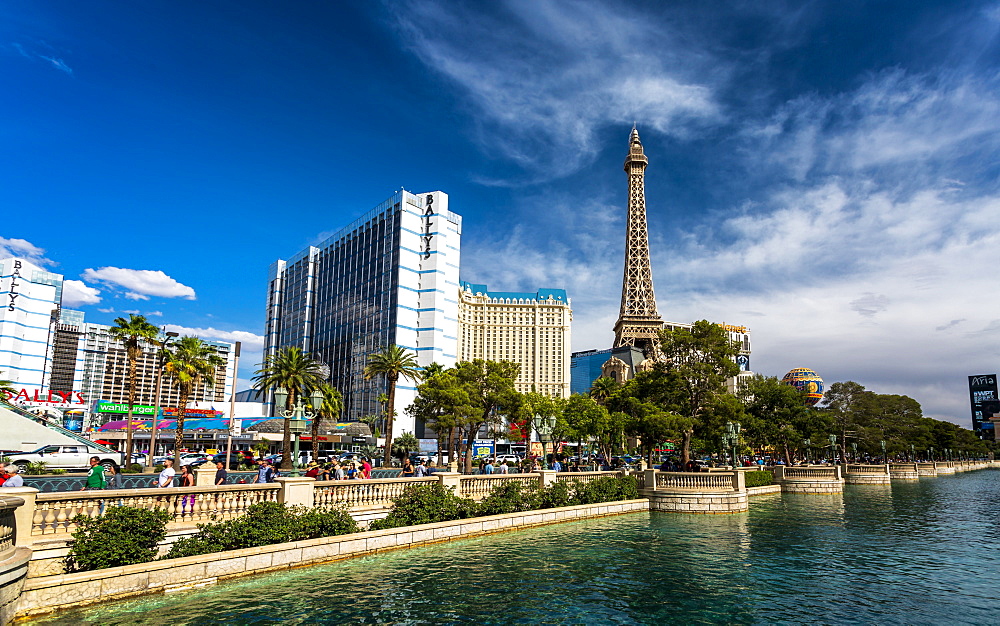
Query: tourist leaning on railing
<point x="12" y="478"/>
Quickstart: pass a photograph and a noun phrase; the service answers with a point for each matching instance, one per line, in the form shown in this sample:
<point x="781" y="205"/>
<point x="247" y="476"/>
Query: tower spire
<point x="638" y="323"/>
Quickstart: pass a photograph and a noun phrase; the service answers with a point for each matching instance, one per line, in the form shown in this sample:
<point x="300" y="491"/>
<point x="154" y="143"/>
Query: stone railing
<point x="818" y="472"/>
<point x="14" y="554"/>
<point x="873" y="470"/>
<point x="700" y="481"/>
<point x="478" y="487"/>
<point x="362" y="493"/>
<point x="585" y="477"/>
<point x="54" y="512"/>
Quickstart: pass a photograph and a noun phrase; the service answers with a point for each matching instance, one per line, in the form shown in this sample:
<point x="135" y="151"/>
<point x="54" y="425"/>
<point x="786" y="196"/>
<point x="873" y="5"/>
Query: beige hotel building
<point x="531" y="329"/>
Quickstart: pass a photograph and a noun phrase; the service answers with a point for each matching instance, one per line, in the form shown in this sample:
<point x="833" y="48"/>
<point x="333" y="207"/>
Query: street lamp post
<point x="807" y="443"/>
<point x="913" y="452"/>
<point x="854" y="450"/>
<point x="733" y="438"/>
<point x="296" y="423"/>
<point x="833" y="449"/>
<point x="885" y="457"/>
<point x="156" y="409"/>
<point x="544" y="425"/>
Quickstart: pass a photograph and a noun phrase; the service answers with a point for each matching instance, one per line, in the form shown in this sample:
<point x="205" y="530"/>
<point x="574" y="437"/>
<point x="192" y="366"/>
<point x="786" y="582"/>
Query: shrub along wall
<point x="759" y="479"/>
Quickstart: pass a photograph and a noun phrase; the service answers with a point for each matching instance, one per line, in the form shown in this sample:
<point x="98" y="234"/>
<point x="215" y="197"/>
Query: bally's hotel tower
<point x="391" y="277"/>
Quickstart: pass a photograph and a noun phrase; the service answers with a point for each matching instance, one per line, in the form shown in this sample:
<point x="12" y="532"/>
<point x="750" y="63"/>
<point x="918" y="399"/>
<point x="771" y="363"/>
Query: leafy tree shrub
<point x="425" y="504"/>
<point x="122" y="536"/>
<point x="57" y="472"/>
<point x="606" y="489"/>
<point x="759" y="479"/>
<point x="135" y="468"/>
<point x="264" y="524"/>
<point x="558" y="494"/>
<point x="509" y="498"/>
<point x="35" y="468"/>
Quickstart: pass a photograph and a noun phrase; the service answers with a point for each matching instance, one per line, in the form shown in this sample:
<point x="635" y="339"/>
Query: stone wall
<point x="704" y="502"/>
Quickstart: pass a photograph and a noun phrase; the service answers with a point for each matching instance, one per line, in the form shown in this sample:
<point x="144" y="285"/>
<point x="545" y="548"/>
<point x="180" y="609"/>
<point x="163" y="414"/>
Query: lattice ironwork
<point x="638" y="323"/>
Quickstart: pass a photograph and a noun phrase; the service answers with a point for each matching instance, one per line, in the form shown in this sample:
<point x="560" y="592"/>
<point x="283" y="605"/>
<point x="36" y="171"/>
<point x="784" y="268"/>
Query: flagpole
<point x="232" y="406"/>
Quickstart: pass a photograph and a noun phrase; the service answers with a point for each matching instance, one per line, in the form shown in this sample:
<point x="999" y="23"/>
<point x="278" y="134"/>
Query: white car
<point x="512" y="459"/>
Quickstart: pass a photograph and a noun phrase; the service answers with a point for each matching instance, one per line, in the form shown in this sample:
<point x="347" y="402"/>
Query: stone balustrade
<point x="811" y="479"/>
<point x="355" y="494"/>
<point x="701" y="492"/>
<point x="54" y="512"/>
<point x="855" y="474"/>
<point x="945" y="468"/>
<point x="903" y="471"/>
<point x="478" y="487"/>
<point x="926" y="469"/>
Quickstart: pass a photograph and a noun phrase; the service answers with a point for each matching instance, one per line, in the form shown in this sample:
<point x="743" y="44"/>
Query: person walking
<point x="113" y="479"/>
<point x="420" y="471"/>
<point x="166" y="477"/>
<point x="265" y="473"/>
<point x="12" y="478"/>
<point x="221" y="475"/>
<point x="338" y="471"/>
<point x="503" y="469"/>
<point x="488" y="468"/>
<point x="408" y="470"/>
<point x="187" y="480"/>
<point x="95" y="476"/>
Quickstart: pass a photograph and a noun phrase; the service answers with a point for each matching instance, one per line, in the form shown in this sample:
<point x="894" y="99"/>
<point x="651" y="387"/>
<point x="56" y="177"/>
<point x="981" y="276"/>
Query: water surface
<point x="915" y="553"/>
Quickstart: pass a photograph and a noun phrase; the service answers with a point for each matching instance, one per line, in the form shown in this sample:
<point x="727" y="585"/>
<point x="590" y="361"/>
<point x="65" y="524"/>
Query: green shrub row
<point x="125" y="535"/>
<point x="424" y="504"/>
<point x="264" y="524"/>
<point x="759" y="479"/>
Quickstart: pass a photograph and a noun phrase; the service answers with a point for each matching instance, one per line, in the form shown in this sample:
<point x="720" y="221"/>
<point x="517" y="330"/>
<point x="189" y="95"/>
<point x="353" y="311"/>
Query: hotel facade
<point x="390" y="277"/>
<point x="530" y="329"/>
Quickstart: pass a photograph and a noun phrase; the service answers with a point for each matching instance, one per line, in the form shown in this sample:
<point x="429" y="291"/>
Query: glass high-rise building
<point x="390" y="277"/>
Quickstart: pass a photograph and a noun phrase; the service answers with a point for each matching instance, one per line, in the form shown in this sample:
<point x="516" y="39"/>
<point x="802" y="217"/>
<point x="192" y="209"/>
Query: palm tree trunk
<point x="179" y="425"/>
<point x="131" y="401"/>
<point x="390" y="406"/>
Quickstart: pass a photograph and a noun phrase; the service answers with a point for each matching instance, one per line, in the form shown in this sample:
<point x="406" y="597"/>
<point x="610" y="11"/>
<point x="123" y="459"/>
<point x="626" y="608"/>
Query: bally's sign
<point x="427" y="236"/>
<point x="48" y="397"/>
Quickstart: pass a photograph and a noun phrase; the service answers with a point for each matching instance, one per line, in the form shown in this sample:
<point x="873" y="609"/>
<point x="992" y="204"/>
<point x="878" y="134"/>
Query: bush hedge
<point x="424" y="504"/>
<point x="123" y="535"/>
<point x="264" y="524"/>
<point x="759" y="478"/>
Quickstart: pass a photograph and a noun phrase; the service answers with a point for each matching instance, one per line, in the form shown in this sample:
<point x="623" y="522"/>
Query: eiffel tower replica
<point x="639" y="324"/>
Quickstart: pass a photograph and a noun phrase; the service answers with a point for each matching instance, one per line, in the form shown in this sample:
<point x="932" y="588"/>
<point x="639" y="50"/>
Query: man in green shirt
<point x="95" y="477"/>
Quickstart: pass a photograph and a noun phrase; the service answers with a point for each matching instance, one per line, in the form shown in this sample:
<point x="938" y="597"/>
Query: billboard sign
<point x="982" y="389"/>
<point x="483" y="448"/>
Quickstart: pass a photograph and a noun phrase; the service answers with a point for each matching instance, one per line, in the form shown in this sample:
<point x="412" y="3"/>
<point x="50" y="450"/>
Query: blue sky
<point x="825" y="173"/>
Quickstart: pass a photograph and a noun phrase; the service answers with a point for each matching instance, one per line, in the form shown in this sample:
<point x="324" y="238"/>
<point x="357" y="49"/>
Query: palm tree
<point x="333" y="404"/>
<point x="191" y="362"/>
<point x="391" y="363"/>
<point x="134" y="333"/>
<point x="294" y="370"/>
<point x="602" y="389"/>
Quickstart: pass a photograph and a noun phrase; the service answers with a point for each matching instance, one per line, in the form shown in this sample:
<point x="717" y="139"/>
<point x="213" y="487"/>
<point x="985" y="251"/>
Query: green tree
<point x="584" y="417"/>
<point x="333" y="404"/>
<point x="489" y="390"/>
<point x="392" y="363"/>
<point x="603" y="388"/>
<point x="701" y="360"/>
<point x="442" y="402"/>
<point x="406" y="443"/>
<point x="777" y="414"/>
<point x="532" y="404"/>
<point x="297" y="372"/>
<point x="134" y="333"/>
<point x="191" y="362"/>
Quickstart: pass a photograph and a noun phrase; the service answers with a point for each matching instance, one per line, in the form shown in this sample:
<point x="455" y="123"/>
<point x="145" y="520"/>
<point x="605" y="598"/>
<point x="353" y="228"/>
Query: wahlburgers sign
<point x="111" y="407"/>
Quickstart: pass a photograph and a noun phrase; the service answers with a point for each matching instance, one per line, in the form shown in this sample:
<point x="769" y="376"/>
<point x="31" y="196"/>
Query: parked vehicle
<point x="65" y="457"/>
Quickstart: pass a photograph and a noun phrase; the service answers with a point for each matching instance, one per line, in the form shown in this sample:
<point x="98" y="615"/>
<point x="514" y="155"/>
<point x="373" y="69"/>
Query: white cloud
<point x="140" y="284"/>
<point x="153" y="313"/>
<point x="59" y="64"/>
<point x="23" y="249"/>
<point x="544" y="77"/>
<point x="77" y="293"/>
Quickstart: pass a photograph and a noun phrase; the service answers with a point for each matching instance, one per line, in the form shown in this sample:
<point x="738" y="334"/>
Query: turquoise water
<point x="920" y="553"/>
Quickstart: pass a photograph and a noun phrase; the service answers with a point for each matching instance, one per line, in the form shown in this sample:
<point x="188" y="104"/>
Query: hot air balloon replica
<point x="807" y="381"/>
